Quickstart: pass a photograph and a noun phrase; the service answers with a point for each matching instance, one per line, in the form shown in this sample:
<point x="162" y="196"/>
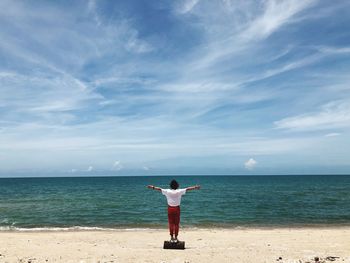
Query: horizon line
<point x="169" y="175"/>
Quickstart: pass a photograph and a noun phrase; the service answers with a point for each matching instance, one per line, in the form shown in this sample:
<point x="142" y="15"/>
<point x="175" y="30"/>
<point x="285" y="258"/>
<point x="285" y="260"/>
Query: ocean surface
<point x="125" y="202"/>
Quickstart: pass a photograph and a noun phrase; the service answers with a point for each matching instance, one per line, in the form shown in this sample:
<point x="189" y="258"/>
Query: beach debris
<point x="321" y="260"/>
<point x="279" y="258"/>
<point x="331" y="258"/>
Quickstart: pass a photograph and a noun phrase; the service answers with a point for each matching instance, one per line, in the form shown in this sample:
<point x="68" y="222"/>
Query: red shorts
<point x="174" y="219"/>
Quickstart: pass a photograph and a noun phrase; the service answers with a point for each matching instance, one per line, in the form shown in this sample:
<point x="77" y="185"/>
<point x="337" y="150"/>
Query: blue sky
<point x="174" y="87"/>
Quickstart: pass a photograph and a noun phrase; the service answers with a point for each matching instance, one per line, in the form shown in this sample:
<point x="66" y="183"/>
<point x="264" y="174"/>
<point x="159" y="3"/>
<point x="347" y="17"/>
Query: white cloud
<point x="146" y="168"/>
<point x="250" y="164"/>
<point x="230" y="38"/>
<point x="136" y="45"/>
<point x="333" y="134"/>
<point x="276" y="14"/>
<point x="117" y="166"/>
<point x="90" y="169"/>
<point x="334" y="50"/>
<point x="332" y="115"/>
<point x="287" y="67"/>
<point x="187" y="5"/>
<point x="91" y="7"/>
<point x="40" y="93"/>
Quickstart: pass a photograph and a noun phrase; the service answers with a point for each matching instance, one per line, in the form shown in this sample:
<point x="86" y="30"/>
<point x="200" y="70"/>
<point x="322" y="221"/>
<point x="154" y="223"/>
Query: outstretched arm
<point x="154" y="187"/>
<point x="196" y="187"/>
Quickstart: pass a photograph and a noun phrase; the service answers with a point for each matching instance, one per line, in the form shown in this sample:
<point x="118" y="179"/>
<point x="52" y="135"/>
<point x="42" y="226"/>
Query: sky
<point x="153" y="87"/>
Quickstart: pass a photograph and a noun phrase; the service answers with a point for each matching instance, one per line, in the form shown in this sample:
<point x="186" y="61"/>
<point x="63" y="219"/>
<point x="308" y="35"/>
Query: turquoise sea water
<point x="223" y="201"/>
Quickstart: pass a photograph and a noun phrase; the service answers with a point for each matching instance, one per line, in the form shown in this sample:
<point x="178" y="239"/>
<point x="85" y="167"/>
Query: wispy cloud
<point x="332" y="134"/>
<point x="186" y="6"/>
<point x="270" y="17"/>
<point x="199" y="79"/>
<point x="334" y="114"/>
<point x="276" y="14"/>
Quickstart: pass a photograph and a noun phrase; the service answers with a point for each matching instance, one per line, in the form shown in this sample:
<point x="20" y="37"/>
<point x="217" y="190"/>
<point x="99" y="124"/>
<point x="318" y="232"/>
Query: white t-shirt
<point x="173" y="196"/>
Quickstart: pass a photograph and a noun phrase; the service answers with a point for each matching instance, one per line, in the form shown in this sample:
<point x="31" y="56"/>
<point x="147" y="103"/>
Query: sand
<point x="202" y="245"/>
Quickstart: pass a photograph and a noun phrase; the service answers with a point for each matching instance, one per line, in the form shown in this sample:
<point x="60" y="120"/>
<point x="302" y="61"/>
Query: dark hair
<point x="174" y="184"/>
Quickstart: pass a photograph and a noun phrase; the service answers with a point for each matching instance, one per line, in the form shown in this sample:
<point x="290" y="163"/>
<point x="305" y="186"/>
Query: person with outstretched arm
<point x="173" y="196"/>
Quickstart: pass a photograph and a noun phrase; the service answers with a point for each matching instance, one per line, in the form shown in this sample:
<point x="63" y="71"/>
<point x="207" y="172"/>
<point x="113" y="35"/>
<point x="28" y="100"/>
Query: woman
<point x="173" y="196"/>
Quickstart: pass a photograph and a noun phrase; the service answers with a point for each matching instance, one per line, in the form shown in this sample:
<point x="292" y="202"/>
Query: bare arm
<point x="154" y="187"/>
<point x="196" y="187"/>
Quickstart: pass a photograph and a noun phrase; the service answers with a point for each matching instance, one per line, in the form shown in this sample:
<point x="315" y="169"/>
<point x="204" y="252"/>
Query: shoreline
<point x="161" y="228"/>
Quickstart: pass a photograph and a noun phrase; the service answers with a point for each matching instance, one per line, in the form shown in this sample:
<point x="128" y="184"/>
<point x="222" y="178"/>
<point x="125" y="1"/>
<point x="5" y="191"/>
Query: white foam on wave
<point x="74" y="228"/>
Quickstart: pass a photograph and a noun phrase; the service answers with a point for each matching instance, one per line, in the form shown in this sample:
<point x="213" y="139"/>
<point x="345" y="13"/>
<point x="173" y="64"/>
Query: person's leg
<point x="171" y="222"/>
<point x="177" y="222"/>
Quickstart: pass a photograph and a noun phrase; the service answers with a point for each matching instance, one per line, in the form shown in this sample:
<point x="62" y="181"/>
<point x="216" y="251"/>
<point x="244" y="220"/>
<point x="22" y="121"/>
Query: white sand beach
<point x="202" y="245"/>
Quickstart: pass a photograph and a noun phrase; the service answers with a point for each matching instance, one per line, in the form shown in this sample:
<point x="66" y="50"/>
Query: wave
<point x="67" y="229"/>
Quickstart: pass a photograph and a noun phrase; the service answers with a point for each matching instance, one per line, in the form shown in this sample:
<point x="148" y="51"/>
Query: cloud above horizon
<point x="188" y="85"/>
<point x="250" y="164"/>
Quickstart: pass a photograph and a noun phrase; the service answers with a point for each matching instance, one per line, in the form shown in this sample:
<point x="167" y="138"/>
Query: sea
<point x="64" y="203"/>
